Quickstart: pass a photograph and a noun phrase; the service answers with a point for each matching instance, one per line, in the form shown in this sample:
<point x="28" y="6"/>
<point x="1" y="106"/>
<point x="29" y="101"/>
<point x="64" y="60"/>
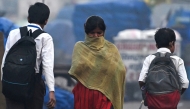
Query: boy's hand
<point x="52" y="101"/>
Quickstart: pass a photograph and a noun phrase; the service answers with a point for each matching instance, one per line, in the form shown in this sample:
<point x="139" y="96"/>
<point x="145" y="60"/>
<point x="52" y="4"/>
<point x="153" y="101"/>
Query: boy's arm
<point x="48" y="66"/>
<point x="47" y="55"/>
<point x="183" y="76"/>
<point x="144" y="71"/>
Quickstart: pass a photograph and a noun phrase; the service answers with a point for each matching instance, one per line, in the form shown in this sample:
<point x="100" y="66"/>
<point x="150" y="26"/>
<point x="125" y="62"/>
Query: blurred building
<point x="16" y="10"/>
<point x="54" y="6"/>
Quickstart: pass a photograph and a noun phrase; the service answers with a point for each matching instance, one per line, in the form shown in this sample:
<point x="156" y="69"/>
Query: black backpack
<point x="18" y="80"/>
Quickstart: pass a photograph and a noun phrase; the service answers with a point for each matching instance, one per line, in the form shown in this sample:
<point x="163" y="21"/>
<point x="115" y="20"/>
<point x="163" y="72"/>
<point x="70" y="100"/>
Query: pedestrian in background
<point x="98" y="68"/>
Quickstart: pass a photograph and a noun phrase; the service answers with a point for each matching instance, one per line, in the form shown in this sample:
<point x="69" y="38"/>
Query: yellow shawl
<point x="97" y="64"/>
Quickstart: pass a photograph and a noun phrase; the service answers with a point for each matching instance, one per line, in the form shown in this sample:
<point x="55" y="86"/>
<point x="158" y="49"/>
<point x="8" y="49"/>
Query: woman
<point x="98" y="68"/>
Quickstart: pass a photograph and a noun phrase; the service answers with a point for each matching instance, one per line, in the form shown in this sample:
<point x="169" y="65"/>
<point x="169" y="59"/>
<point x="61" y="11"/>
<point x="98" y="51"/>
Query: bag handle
<point x="24" y="31"/>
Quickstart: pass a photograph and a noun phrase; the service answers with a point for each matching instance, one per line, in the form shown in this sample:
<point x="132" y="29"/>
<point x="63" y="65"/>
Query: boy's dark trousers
<point x="35" y="103"/>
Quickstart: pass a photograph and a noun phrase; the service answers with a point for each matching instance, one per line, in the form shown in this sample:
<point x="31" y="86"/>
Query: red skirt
<point x="85" y="98"/>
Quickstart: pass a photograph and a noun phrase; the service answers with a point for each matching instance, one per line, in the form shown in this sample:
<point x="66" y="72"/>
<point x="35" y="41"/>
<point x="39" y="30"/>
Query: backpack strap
<point x="24" y="31"/>
<point x="167" y="55"/>
<point x="153" y="61"/>
<point x="171" y="62"/>
<point x="37" y="32"/>
<point x="161" y="57"/>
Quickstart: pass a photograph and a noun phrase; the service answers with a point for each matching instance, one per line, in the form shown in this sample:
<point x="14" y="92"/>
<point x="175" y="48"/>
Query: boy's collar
<point x="33" y="24"/>
<point x="163" y="50"/>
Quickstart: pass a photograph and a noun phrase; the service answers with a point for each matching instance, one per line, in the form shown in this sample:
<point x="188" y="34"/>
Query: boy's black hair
<point x="93" y="22"/>
<point x="164" y="36"/>
<point x="38" y="13"/>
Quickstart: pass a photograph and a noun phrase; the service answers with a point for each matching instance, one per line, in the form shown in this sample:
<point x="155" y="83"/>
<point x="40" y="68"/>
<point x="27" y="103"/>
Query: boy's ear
<point x="171" y="43"/>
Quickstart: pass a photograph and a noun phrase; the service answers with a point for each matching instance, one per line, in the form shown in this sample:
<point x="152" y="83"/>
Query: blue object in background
<point x="65" y="13"/>
<point x="5" y="27"/>
<point x="64" y="99"/>
<point x="118" y="16"/>
<point x="180" y="21"/>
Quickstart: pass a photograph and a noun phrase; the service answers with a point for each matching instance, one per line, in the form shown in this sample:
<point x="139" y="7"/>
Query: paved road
<point x="135" y="105"/>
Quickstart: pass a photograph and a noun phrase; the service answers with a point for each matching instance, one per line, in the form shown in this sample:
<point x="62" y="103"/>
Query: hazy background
<point x="131" y="25"/>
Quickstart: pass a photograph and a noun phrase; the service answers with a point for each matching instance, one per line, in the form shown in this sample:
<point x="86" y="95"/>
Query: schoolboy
<point x="165" y="42"/>
<point x="38" y="15"/>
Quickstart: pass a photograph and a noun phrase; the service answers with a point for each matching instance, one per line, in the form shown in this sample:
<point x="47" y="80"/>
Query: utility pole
<point x="43" y="1"/>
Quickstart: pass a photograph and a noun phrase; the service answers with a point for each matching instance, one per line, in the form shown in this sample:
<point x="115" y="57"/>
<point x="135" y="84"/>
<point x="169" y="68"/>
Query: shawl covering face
<point x="97" y="64"/>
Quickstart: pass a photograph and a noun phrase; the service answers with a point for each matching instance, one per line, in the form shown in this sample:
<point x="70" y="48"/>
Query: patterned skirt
<point x="85" y="98"/>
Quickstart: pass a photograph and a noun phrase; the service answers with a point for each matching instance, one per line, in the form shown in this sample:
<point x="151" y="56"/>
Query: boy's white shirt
<point x="178" y="62"/>
<point x="45" y="55"/>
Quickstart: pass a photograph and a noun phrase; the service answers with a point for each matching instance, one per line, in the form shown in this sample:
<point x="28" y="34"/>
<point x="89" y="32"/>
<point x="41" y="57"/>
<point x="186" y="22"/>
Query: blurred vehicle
<point x="125" y="14"/>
